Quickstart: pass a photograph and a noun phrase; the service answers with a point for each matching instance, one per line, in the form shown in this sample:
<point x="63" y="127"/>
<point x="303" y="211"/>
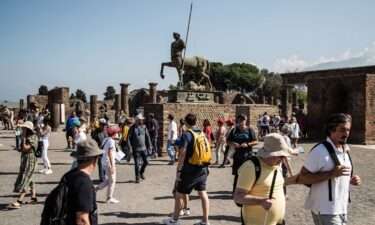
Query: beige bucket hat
<point x="274" y="145"/>
<point x="87" y="148"/>
<point x="29" y="125"/>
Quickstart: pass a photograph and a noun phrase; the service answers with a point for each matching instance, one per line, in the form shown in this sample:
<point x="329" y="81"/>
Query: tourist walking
<point x="228" y="148"/>
<point x="82" y="208"/>
<point x="220" y="140"/>
<point x="153" y="127"/>
<point x="44" y="134"/>
<point x="262" y="195"/>
<point x="109" y="165"/>
<point x="329" y="170"/>
<point x="295" y="131"/>
<point x="99" y="135"/>
<point x="69" y="129"/>
<point x="242" y="139"/>
<point x="207" y="129"/>
<point x="172" y="136"/>
<point x="25" y="178"/>
<point x="138" y="142"/>
<point x="190" y="176"/>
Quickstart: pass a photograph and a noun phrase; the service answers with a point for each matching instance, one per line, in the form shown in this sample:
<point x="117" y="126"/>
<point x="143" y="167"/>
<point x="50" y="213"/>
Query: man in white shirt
<point x="329" y="194"/>
<point x="172" y="136"/>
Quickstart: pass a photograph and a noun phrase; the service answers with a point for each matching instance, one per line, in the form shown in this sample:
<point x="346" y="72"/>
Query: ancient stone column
<point x="93" y="106"/>
<point x="272" y="102"/>
<point x="263" y="99"/>
<point x="125" y="98"/>
<point x="30" y="99"/>
<point x="22" y="104"/>
<point x="152" y="97"/>
<point x="56" y="116"/>
<point x="117" y="106"/>
<point x="294" y="101"/>
<point x="284" y="100"/>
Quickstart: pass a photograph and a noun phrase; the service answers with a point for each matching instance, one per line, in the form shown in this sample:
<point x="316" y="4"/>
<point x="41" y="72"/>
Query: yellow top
<point x="125" y="131"/>
<point x="255" y="214"/>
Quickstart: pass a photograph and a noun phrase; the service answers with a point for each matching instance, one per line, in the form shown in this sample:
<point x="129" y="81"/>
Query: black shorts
<point x="69" y="134"/>
<point x="192" y="181"/>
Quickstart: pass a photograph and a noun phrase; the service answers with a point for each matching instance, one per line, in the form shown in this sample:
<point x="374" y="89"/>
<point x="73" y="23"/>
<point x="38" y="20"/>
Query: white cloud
<point x="346" y="59"/>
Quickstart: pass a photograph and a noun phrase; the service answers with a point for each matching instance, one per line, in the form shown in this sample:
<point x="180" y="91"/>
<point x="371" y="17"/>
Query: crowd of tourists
<point x="261" y="197"/>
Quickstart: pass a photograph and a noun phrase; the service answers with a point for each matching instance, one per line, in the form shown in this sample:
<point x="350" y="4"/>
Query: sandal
<point x="15" y="205"/>
<point x="33" y="200"/>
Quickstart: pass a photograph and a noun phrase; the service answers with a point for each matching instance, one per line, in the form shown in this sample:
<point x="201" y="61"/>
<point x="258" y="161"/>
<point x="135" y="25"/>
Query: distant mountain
<point x="365" y="59"/>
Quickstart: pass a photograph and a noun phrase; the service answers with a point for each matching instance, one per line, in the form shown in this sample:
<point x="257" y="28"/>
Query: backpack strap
<point x="333" y="156"/>
<point x="256" y="163"/>
<point x="102" y="146"/>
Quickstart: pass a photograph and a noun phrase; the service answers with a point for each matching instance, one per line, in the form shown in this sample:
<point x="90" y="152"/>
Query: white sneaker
<point x="43" y="170"/>
<point x="48" y="171"/>
<point x="170" y="221"/>
<point x="200" y="222"/>
<point x="113" y="200"/>
<point x="185" y="212"/>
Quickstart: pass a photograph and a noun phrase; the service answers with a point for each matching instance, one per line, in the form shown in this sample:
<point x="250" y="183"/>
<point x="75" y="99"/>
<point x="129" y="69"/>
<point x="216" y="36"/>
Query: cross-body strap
<point x="273" y="183"/>
<point x="104" y="143"/>
<point x="333" y="155"/>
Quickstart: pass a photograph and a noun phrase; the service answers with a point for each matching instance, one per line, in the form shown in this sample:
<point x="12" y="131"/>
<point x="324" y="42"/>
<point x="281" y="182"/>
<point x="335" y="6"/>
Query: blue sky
<point x="93" y="44"/>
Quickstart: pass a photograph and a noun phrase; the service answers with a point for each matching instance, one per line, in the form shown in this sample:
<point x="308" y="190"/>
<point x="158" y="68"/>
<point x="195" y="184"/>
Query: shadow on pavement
<point x="215" y="217"/>
<point x="8" y="173"/>
<point x="133" y="215"/>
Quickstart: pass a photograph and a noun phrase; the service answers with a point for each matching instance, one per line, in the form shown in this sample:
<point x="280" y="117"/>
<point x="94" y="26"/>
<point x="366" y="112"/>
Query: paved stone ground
<point x="150" y="201"/>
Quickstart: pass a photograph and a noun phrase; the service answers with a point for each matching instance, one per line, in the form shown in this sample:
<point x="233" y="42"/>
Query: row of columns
<point x="121" y="100"/>
<point x="285" y="92"/>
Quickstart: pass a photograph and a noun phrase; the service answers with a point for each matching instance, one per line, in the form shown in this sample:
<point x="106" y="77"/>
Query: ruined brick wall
<point x="254" y="110"/>
<point x="335" y="94"/>
<point x="212" y="112"/>
<point x="42" y="100"/>
<point x="370" y="109"/>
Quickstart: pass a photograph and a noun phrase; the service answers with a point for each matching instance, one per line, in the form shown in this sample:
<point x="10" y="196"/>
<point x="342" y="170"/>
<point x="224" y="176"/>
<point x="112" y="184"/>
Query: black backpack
<point x="336" y="161"/>
<point x="55" y="211"/>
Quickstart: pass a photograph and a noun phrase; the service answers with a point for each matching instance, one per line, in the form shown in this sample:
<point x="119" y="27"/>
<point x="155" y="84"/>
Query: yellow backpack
<point x="201" y="150"/>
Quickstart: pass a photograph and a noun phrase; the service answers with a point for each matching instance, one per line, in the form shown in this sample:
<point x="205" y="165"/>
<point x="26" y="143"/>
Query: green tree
<point x="81" y="95"/>
<point x="271" y="85"/>
<point x="72" y="96"/>
<point x="43" y="90"/>
<point x="110" y="93"/>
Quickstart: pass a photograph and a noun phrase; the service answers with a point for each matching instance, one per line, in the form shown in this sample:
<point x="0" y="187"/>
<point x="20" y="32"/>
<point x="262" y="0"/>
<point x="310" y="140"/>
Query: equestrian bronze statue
<point x="195" y="64"/>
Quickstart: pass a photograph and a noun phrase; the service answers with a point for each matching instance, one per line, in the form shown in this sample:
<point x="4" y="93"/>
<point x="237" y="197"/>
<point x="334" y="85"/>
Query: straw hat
<point x="29" y="125"/>
<point x="274" y="145"/>
<point x="87" y="148"/>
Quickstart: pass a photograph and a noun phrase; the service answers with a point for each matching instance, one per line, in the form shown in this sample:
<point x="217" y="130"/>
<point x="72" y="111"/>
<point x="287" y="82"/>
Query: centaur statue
<point x="196" y="64"/>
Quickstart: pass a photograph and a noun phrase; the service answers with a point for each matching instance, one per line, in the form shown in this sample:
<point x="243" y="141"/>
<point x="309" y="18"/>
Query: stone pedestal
<point x="125" y="98"/>
<point x="152" y="98"/>
<point x="182" y="96"/>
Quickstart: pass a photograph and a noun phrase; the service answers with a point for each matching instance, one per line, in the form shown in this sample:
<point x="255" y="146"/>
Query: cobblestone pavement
<point x="151" y="200"/>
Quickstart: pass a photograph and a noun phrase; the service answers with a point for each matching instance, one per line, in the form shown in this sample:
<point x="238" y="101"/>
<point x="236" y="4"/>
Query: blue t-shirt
<point x="70" y="123"/>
